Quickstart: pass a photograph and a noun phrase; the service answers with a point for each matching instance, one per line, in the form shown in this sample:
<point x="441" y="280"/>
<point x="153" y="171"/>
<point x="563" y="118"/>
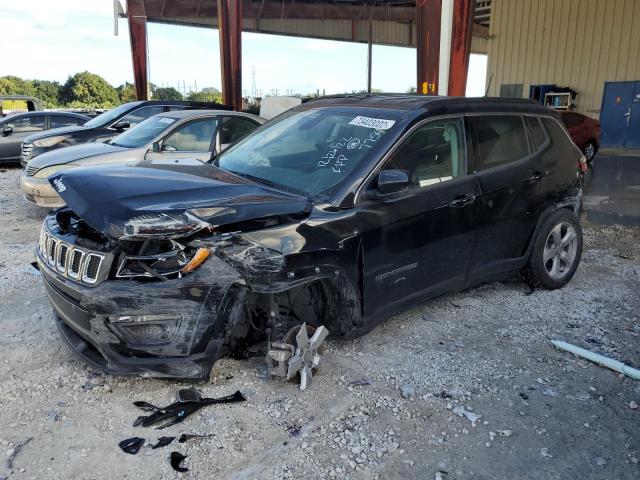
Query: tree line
<point x="89" y="90"/>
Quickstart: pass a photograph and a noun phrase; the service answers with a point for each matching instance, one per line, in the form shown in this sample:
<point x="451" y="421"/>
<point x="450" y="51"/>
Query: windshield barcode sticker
<point x="376" y="123"/>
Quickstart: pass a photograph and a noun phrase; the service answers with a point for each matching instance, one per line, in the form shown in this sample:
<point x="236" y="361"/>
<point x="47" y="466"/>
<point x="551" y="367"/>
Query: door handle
<point x="537" y="176"/>
<point x="463" y="200"/>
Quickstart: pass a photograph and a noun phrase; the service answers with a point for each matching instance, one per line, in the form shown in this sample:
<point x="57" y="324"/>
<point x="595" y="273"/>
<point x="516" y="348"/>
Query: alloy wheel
<point x="560" y="250"/>
<point x="589" y="151"/>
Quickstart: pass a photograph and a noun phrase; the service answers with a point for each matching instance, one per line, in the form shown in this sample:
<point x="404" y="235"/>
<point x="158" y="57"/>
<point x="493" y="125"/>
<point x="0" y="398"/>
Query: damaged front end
<point x="166" y="293"/>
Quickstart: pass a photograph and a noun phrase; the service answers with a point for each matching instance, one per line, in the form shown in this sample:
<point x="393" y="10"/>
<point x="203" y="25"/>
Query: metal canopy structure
<point x="380" y="22"/>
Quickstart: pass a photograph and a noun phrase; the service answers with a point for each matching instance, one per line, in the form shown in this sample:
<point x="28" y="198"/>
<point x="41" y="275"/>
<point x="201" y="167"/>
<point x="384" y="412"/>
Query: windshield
<point x="311" y="151"/>
<point x="143" y="133"/>
<point x="106" y="117"/>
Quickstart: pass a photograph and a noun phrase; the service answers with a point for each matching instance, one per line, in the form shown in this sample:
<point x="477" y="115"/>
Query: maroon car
<point x="584" y="131"/>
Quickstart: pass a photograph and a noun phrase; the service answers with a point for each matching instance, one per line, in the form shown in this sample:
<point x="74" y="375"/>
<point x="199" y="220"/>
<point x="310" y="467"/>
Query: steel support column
<point x="428" y="13"/>
<point x="463" y="12"/>
<point x="230" y="28"/>
<point x="139" y="54"/>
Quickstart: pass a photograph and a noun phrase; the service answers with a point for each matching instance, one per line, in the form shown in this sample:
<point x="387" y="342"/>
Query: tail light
<point x="582" y="164"/>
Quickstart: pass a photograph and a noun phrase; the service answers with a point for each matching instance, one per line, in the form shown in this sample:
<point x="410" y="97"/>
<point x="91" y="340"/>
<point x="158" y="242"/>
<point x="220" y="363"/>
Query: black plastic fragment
<point x="163" y="442"/>
<point x="35" y="265"/>
<point x="178" y="411"/>
<point x="176" y="460"/>
<point x="131" y="445"/>
<point x="189" y="395"/>
<point x="188" y="436"/>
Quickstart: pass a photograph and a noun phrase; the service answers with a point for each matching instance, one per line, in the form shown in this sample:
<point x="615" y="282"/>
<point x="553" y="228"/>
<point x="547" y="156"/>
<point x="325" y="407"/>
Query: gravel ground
<point x="544" y="414"/>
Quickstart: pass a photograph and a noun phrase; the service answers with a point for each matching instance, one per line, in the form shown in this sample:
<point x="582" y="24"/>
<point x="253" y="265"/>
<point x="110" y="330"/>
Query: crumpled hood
<point x="156" y="198"/>
<point x="73" y="153"/>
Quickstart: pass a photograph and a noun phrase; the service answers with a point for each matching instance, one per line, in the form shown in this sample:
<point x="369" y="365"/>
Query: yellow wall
<point x="573" y="43"/>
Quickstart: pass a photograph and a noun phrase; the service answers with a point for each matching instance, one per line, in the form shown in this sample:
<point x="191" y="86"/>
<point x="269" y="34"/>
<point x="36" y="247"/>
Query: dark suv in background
<point x="105" y="126"/>
<point x="339" y="214"/>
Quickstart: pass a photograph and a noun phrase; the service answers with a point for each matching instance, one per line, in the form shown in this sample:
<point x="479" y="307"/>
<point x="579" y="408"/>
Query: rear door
<point x="417" y="243"/>
<point x="192" y="139"/>
<point x="511" y="175"/>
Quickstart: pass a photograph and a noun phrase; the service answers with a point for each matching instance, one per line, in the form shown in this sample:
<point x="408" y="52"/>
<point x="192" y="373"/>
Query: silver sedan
<point x="179" y="134"/>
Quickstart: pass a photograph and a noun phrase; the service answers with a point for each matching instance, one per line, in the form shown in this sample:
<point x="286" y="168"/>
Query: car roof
<point x="407" y="102"/>
<point x="180" y="114"/>
<point x="188" y="103"/>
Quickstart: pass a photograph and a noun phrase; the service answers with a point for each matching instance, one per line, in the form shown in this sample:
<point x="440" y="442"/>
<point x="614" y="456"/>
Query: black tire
<point x="537" y="272"/>
<point x="590" y="150"/>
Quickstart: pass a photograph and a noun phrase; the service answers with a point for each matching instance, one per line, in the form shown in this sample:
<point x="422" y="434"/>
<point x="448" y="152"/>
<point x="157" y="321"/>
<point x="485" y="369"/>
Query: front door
<point x="13" y="131"/>
<point x="620" y="115"/>
<point x="417" y="242"/>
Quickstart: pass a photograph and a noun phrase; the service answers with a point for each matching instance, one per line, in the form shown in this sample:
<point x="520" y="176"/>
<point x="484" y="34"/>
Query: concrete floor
<point x="612" y="189"/>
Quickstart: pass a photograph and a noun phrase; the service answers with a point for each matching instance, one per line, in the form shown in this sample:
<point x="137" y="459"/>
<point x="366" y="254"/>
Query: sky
<point x="51" y="40"/>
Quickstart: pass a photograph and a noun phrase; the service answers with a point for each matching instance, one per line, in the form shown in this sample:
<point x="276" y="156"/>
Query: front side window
<point x="433" y="153"/>
<point x="195" y="136"/>
<point x="141" y="114"/>
<point x="499" y="139"/>
<point x="311" y="151"/>
<point x="29" y="123"/>
<point x="143" y="133"/>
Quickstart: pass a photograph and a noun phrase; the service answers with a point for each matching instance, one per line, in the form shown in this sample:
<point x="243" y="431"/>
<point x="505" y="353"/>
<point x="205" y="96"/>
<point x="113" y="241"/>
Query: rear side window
<point x="537" y="133"/>
<point x="499" y="139"/>
<point x="235" y="128"/>
<point x="58" y="121"/>
<point x="563" y="145"/>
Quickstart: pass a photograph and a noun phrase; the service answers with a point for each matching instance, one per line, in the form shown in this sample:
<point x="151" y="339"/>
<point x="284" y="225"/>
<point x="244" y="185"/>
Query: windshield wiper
<point x="253" y="178"/>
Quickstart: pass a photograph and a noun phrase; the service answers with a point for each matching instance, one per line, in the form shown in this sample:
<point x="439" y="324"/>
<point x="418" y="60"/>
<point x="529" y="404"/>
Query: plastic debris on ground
<point x="461" y="412"/>
<point x="131" y="445"/>
<point x="163" y="442"/>
<point x="178" y="411"/>
<point x="176" y="460"/>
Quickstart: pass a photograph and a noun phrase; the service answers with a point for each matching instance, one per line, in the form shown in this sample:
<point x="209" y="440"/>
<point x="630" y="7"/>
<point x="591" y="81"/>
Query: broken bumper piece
<point x="174" y="328"/>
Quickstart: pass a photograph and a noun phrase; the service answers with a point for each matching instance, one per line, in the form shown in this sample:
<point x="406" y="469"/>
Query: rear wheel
<point x="590" y="150"/>
<point x="556" y="251"/>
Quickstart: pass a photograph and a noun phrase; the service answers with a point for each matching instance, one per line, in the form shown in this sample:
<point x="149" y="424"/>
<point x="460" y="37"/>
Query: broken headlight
<point x="172" y="263"/>
<point x="146" y="330"/>
<point x="164" y="225"/>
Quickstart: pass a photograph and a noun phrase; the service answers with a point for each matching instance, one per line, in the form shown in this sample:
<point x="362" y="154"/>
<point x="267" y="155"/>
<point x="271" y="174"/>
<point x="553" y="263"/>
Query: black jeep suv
<point x="340" y="213"/>
<point x="105" y="126"/>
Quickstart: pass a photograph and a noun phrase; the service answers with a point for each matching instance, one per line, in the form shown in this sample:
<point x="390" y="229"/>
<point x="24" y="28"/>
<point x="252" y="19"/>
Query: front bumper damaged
<point x="174" y="328"/>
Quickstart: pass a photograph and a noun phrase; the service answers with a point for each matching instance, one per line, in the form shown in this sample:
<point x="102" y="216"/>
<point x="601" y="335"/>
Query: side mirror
<point x="120" y="126"/>
<point x="155" y="147"/>
<point x="7" y="130"/>
<point x="392" y="181"/>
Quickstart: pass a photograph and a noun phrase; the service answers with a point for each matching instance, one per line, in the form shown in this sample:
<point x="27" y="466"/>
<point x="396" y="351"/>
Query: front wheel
<point x="556" y="251"/>
<point x="590" y="150"/>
